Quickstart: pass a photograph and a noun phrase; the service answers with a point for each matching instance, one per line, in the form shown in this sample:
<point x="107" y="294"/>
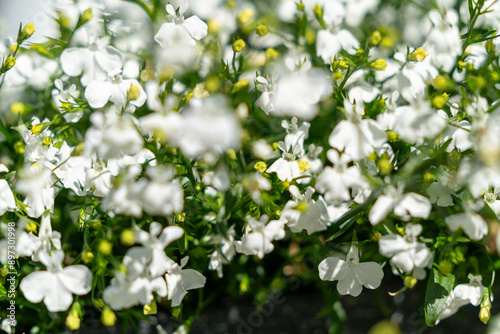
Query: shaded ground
<point x="296" y="313"/>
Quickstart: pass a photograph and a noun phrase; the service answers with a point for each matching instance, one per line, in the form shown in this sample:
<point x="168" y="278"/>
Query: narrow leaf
<point x="438" y="289"/>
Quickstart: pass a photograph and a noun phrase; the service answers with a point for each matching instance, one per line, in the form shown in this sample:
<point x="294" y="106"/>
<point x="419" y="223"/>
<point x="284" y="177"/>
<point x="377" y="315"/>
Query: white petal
<point x="196" y="27"/>
<point x="192" y="279"/>
<point x="331" y="269"/>
<point x="110" y="59"/>
<point x="382" y="207"/>
<point x="58" y="298"/>
<point x="349" y="284"/>
<point x="170" y="234"/>
<point x="391" y="244"/>
<point x="369" y="274"/>
<point x="35" y="286"/>
<point x="413" y="205"/>
<point x="98" y="93"/>
<point x="77" y="279"/>
<point x="73" y="60"/>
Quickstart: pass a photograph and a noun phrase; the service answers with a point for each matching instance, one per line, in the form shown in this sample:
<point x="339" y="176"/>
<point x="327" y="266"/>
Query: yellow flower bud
<point x="272" y="54"/>
<point x="19" y="147"/>
<point x="27" y="32"/>
<point x="418" y="54"/>
<point x="214" y="26"/>
<point x="87" y="15"/>
<point x="342" y="64"/>
<point x="410" y="282"/>
<point x="31" y="227"/>
<point x="445" y="267"/>
<point x="384" y="165"/>
<point x="47" y="140"/>
<point x="392" y="136"/>
<point x="238" y="45"/>
<point x="300" y="6"/>
<point x="241" y="84"/>
<point x="151" y="308"/>
<point x="318" y="11"/>
<point x="260" y="166"/>
<point x="105" y="247"/>
<point x="212" y="84"/>
<point x="38" y="128"/>
<point x="67" y="105"/>
<point x="262" y="30"/>
<point x="310" y="36"/>
<point x="303" y="166"/>
<point x="375" y="38"/>
<point x="87" y="256"/>
<point x="133" y="93"/>
<point x="4" y="271"/>
<point x="439" y="101"/>
<point x="379" y="64"/>
<point x="18" y="108"/>
<point x="8" y="64"/>
<point x="127" y="238"/>
<point x="108" y="317"/>
<point x="246" y="16"/>
<point x="147" y="75"/>
<point x="231" y="154"/>
<point x="73" y="320"/>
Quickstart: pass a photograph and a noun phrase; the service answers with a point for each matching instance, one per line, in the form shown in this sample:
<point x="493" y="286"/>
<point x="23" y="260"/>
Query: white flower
<point x="161" y="195"/>
<point x="180" y="280"/>
<point x="330" y="42"/>
<point x="406" y="253"/>
<point x="96" y="61"/>
<point x="463" y="294"/>
<point x="287" y="166"/>
<point x="472" y="223"/>
<point x="295" y="134"/>
<point x="47" y="240"/>
<point x="405" y="206"/>
<point x="417" y="122"/>
<point x="356" y="136"/>
<point x="261" y="149"/>
<point x="60" y="95"/>
<point x="254" y="184"/>
<point x="7" y="201"/>
<point x="258" y="236"/>
<point x="351" y="274"/>
<point x="112" y="136"/>
<point x="440" y="194"/>
<point x="56" y="285"/>
<point x="154" y="244"/>
<point x="335" y="182"/>
<point x="126" y="291"/>
<point x="36" y="184"/>
<point x="224" y="250"/>
<point x="127" y="197"/>
<point x="115" y="89"/>
<point x="25" y="245"/>
<point x="191" y="29"/>
<point x="209" y="129"/>
<point x="298" y="93"/>
<point x="304" y="213"/>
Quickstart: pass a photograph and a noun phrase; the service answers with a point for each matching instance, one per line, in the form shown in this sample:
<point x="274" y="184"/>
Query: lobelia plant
<point x="251" y="139"/>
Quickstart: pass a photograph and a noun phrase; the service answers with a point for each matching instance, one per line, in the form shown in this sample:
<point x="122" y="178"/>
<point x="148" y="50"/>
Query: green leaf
<point x="438" y="289"/>
<point x="3" y="292"/>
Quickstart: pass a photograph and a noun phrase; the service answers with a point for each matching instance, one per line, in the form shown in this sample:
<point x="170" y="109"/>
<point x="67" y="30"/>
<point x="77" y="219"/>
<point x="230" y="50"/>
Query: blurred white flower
<point x="259" y="235"/>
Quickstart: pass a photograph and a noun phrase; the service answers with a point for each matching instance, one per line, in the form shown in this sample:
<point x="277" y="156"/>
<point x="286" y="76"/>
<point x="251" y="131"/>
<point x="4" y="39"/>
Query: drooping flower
<point x="56" y="285"/>
<point x="472" y="223"/>
<point x="463" y="294"/>
<point x="179" y="280"/>
<point x="351" y="274"/>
